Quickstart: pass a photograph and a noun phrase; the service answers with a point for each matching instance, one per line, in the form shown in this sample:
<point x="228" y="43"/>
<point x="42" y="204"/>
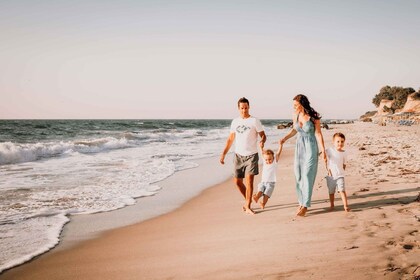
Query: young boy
<point x="244" y="131"/>
<point x="337" y="158"/>
<point x="268" y="177"/>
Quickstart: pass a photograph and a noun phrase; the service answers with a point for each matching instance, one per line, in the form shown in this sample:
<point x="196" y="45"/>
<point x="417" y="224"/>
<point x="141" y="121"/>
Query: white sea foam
<point x="21" y="246"/>
<point x="42" y="183"/>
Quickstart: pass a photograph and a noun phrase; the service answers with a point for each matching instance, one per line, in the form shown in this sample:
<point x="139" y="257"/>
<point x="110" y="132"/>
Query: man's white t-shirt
<point x="269" y="172"/>
<point x="246" y="135"/>
<point x="336" y="160"/>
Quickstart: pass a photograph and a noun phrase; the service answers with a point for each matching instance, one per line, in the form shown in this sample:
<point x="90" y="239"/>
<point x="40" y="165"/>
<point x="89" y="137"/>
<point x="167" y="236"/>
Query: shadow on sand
<point x="355" y="207"/>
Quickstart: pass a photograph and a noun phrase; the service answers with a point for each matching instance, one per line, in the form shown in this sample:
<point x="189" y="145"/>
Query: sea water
<point x="50" y="169"/>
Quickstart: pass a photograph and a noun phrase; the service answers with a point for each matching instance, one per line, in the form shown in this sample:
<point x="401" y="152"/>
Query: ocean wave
<point x="18" y="153"/>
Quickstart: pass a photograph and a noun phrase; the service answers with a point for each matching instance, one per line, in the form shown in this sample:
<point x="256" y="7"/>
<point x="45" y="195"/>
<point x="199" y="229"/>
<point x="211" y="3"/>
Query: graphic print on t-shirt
<point x="242" y="128"/>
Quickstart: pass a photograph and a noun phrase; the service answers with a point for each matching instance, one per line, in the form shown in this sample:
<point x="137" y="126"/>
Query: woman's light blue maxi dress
<point x="306" y="161"/>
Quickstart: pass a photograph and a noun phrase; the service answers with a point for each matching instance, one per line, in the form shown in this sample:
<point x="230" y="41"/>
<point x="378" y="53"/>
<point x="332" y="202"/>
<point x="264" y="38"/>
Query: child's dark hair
<point x="339" y="134"/>
<point x="243" y="100"/>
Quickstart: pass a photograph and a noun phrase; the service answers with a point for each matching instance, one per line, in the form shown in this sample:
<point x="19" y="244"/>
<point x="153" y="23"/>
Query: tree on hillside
<point x="398" y="94"/>
<point x="384" y="93"/>
<point x="417" y="94"/>
<point x="401" y="96"/>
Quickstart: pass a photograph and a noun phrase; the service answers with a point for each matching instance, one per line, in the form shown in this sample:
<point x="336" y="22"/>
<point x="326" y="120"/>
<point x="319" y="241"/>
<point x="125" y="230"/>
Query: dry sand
<point x="209" y="237"/>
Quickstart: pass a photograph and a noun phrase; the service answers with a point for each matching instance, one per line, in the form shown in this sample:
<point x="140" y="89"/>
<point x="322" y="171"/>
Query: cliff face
<point x="381" y="111"/>
<point x="412" y="105"/>
<point x="408" y="115"/>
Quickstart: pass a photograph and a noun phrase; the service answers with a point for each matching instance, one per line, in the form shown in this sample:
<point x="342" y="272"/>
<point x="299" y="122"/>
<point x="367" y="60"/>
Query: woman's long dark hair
<point x="303" y="100"/>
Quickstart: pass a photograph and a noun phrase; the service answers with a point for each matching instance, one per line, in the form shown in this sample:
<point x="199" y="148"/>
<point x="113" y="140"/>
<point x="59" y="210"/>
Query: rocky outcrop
<point x="408" y="115"/>
<point x="412" y="105"/>
<point x="382" y="111"/>
<point x="367" y="117"/>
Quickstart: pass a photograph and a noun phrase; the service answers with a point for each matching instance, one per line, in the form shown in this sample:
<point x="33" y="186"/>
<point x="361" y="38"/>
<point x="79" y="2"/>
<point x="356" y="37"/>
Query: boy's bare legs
<point x="331" y="202"/>
<point x="264" y="201"/>
<point x="345" y="203"/>
<point x="248" y="193"/>
<point x="257" y="196"/>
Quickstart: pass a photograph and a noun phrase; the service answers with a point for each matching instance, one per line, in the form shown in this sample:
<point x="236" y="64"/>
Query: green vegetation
<point x="398" y="94"/>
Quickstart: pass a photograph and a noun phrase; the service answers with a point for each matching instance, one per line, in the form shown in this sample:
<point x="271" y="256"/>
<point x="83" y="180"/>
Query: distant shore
<point x="209" y="237"/>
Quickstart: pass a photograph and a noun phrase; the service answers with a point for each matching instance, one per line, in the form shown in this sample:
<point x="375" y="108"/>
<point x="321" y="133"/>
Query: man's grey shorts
<point x="245" y="165"/>
<point x="332" y="184"/>
<point x="266" y="188"/>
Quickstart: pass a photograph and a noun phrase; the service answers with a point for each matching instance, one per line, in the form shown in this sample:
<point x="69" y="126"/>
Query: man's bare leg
<point x="239" y="182"/>
<point x="248" y="193"/>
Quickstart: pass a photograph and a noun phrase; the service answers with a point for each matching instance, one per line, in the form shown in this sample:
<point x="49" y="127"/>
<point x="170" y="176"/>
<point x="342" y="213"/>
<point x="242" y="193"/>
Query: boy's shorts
<point x="332" y="184"/>
<point x="245" y="165"/>
<point x="266" y="188"/>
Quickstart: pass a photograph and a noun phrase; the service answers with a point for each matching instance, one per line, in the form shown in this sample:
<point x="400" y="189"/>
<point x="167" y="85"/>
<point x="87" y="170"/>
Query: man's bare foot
<point x="255" y="198"/>
<point x="302" y="212"/>
<point x="347" y="209"/>
<point x="262" y="205"/>
<point x="331" y="208"/>
<point x="249" y="210"/>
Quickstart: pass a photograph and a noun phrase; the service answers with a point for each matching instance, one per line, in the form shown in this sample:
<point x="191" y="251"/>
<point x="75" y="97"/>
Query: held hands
<point x="324" y="156"/>
<point x="262" y="145"/>
<point x="222" y="159"/>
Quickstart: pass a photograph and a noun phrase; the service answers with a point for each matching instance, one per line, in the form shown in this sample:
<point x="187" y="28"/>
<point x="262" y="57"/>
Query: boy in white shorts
<point x="268" y="177"/>
<point x="337" y="158"/>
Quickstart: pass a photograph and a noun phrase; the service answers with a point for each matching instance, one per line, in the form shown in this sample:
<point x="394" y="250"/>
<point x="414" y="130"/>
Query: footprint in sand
<point x="408" y="246"/>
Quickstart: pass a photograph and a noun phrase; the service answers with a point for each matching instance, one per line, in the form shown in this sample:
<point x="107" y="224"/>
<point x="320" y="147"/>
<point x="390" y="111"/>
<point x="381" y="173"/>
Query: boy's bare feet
<point x="302" y="212"/>
<point x="255" y="198"/>
<point x="262" y="205"/>
<point x="331" y="208"/>
<point x="347" y="209"/>
<point x="298" y="210"/>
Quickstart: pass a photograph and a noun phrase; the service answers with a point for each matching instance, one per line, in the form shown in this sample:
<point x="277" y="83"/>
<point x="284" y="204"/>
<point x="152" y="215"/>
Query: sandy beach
<point x="209" y="237"/>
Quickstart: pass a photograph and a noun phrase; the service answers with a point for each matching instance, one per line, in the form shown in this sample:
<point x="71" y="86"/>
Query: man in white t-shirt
<point x="244" y="132"/>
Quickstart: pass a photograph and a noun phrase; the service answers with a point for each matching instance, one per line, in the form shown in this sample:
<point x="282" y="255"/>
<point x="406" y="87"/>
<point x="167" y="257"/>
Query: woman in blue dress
<point x="307" y="126"/>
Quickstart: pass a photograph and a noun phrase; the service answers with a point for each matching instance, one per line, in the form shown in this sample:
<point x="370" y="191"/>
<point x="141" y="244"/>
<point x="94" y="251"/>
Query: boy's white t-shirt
<point x="246" y="135"/>
<point x="336" y="159"/>
<point x="269" y="172"/>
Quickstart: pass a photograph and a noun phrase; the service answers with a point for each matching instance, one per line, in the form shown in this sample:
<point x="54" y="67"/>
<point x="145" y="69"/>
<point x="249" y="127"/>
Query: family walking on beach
<point x="244" y="132"/>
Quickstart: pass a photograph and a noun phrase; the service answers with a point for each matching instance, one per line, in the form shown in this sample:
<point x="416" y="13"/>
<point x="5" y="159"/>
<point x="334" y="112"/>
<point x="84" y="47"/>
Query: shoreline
<point x="82" y="227"/>
<point x="169" y="198"/>
<point x="373" y="237"/>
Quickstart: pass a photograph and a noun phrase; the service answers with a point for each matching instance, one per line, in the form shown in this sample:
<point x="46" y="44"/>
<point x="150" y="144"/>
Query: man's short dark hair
<point x="243" y="100"/>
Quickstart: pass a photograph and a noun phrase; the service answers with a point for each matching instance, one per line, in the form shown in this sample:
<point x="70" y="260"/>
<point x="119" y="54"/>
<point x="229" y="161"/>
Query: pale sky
<point x="194" y="59"/>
